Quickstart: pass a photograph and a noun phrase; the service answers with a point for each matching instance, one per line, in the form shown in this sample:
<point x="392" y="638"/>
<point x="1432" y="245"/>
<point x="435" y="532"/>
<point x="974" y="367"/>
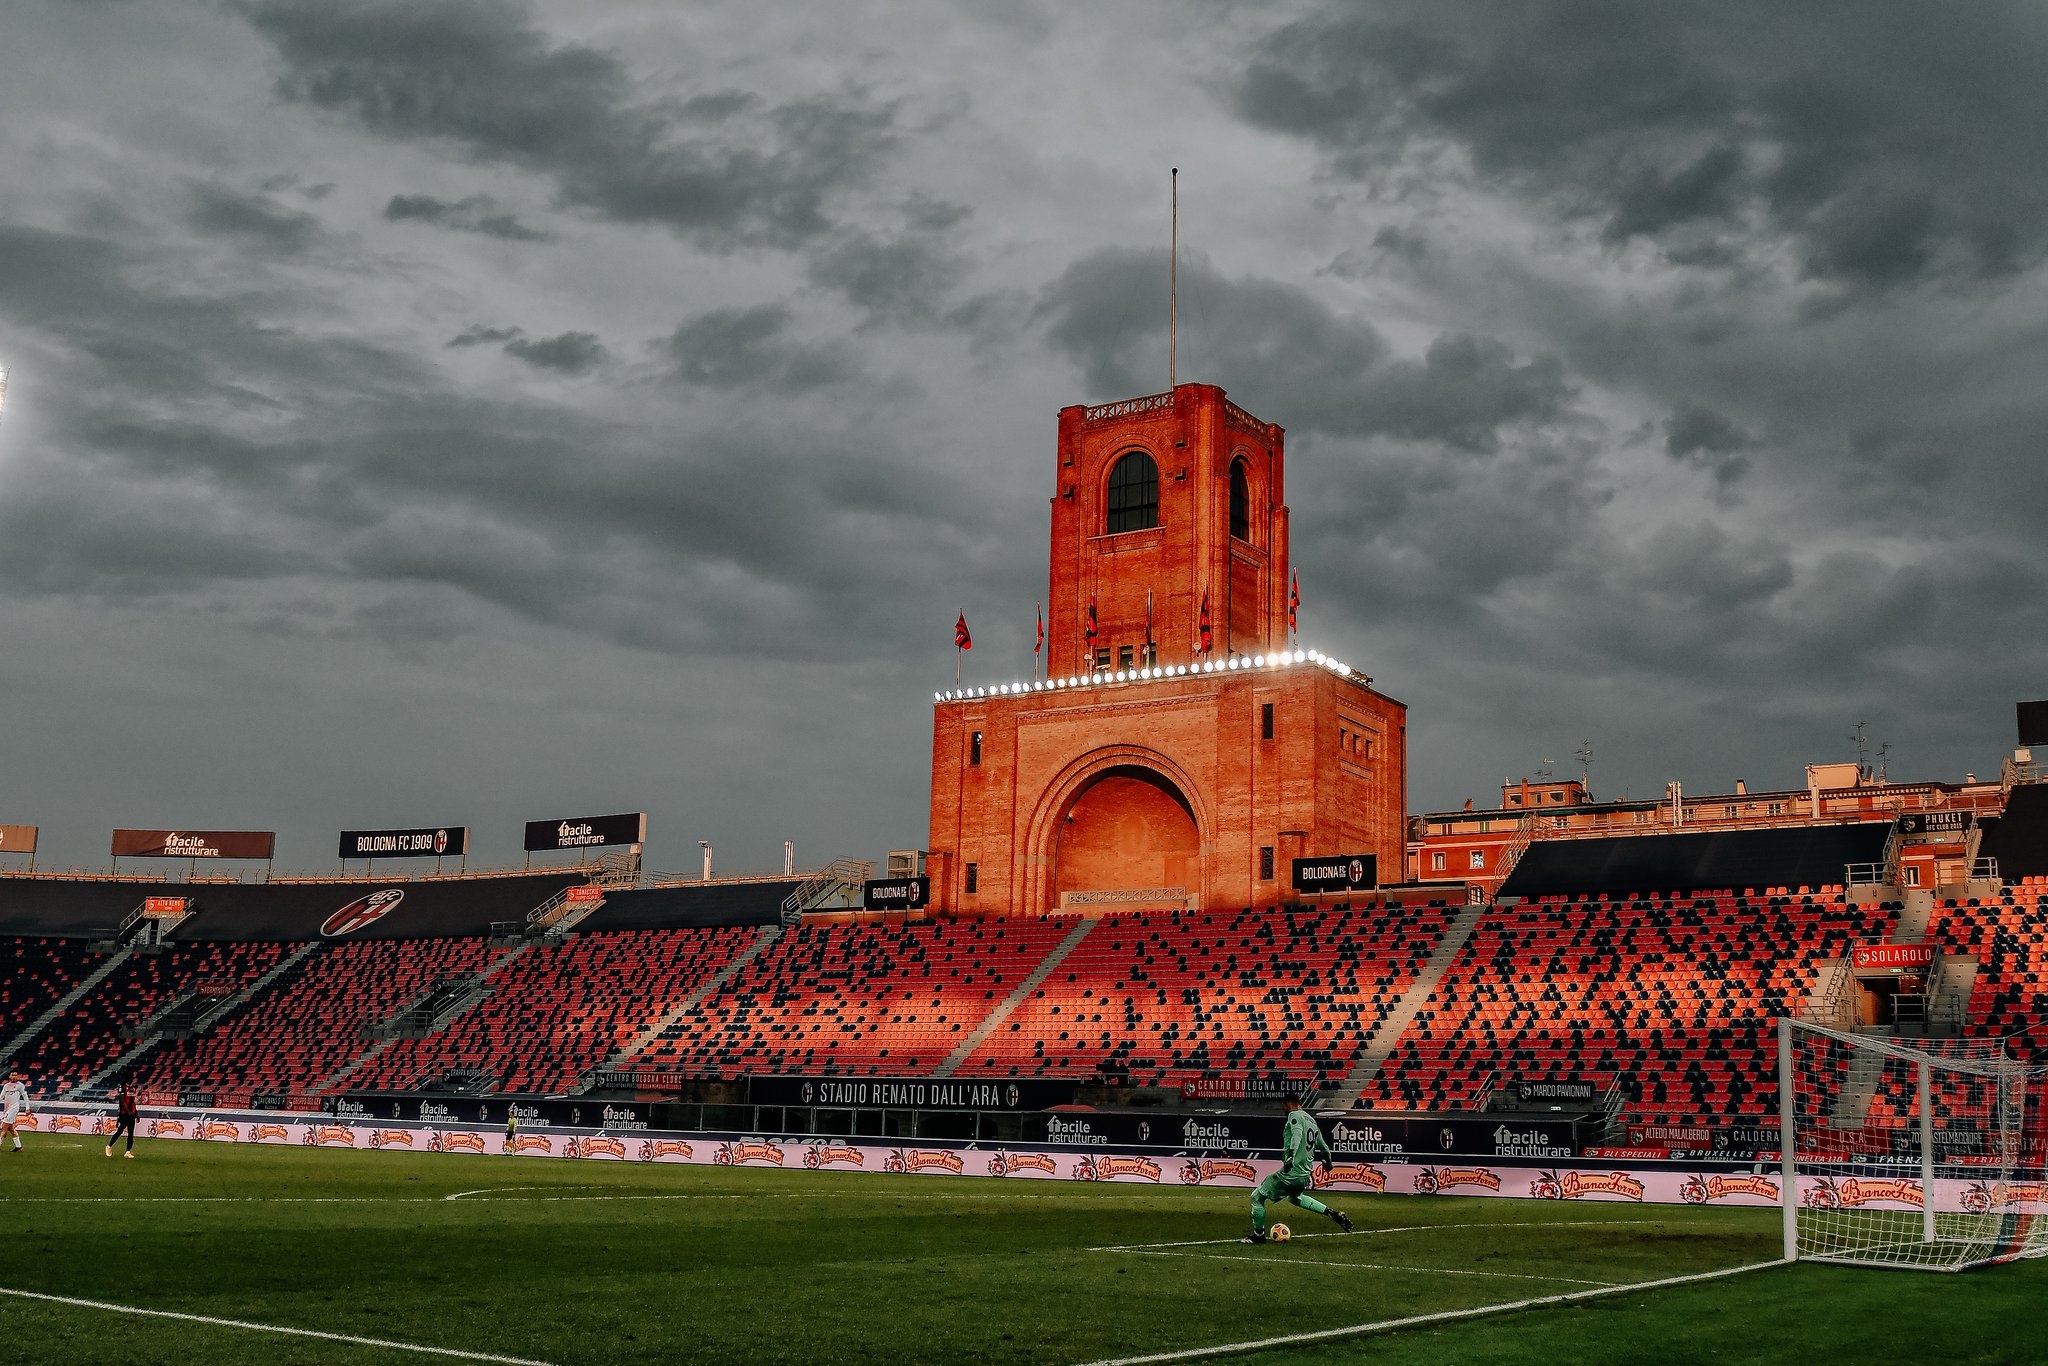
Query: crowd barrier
<point x="1618" y="1183"/>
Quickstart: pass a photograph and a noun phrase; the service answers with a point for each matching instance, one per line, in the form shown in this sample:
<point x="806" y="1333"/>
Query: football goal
<point x="1925" y="1154"/>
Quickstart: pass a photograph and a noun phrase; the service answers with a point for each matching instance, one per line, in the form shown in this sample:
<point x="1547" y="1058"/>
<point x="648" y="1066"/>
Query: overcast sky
<point x="470" y="413"/>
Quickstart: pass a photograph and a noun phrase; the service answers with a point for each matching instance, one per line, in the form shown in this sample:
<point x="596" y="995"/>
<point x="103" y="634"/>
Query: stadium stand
<point x="557" y="1010"/>
<point x="855" y="999"/>
<point x="1790" y="856"/>
<point x="1164" y="997"/>
<point x="716" y="903"/>
<point x="2018" y="840"/>
<point x="40" y="973"/>
<point x="1672" y="999"/>
<point x="2008" y="936"/>
<point x="98" y="1027"/>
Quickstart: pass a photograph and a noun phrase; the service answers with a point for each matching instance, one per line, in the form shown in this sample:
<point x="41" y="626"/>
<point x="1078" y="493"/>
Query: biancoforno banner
<point x="1162" y="1165"/>
<point x="429" y="842"/>
<point x="586" y="832"/>
<point x="194" y="843"/>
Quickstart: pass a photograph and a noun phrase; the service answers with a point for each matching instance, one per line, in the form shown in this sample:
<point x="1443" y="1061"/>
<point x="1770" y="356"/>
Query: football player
<point x="1302" y="1145"/>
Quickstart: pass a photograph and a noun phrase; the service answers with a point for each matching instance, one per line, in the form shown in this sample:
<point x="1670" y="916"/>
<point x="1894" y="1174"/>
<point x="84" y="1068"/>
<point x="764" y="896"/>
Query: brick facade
<point x="1173" y="777"/>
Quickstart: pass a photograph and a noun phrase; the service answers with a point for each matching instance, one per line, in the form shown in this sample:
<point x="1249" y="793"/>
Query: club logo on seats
<point x="360" y="912"/>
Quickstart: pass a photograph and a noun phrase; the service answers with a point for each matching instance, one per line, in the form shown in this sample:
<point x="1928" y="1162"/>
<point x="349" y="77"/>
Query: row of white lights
<point x="1096" y="680"/>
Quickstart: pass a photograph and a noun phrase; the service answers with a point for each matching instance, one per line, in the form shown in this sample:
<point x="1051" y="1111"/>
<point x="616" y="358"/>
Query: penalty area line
<point x="271" y="1328"/>
<point x="1442" y="1316"/>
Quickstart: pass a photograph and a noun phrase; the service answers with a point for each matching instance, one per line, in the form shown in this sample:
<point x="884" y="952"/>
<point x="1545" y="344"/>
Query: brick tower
<point x="1147" y="770"/>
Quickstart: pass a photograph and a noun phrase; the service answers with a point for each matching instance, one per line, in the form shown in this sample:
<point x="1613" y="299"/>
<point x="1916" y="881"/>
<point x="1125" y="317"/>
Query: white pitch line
<point x="273" y="1328"/>
<point x="1405" y="1228"/>
<point x="1373" y="1266"/>
<point x="1417" y="1320"/>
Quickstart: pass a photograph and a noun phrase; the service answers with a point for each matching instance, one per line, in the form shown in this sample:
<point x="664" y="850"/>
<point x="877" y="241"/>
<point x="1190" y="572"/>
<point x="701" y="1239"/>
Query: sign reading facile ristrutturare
<point x="586" y="832"/>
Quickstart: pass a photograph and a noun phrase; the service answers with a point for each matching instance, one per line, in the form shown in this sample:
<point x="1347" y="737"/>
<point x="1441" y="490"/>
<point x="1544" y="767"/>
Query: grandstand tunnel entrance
<point x="1128" y="831"/>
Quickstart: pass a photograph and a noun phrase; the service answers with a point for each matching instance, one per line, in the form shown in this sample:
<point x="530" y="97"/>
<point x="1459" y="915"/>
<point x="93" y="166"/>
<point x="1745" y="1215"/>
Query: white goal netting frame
<point x="1926" y="1155"/>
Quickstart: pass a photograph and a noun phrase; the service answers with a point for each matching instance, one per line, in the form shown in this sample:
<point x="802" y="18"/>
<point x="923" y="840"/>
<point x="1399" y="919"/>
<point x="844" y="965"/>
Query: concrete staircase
<point x="1917" y="908"/>
<point x="1859" y="1087"/>
<point x="710" y="985"/>
<point x="1380" y="1044"/>
<point x="1016" y="998"/>
<point x="64" y="1003"/>
<point x="113" y="1069"/>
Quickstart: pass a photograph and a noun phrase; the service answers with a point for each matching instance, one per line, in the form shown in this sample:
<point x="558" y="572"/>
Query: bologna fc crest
<point x="440" y="841"/>
<point x="360" y="912"/>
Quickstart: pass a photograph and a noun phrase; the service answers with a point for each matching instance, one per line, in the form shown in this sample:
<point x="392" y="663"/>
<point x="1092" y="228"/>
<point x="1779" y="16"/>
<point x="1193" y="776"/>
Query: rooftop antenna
<point x="1883" y="768"/>
<point x="1173" y="293"/>
<point x="1862" y="749"/>
<point x="1546" y="769"/>
<point x="1585" y="757"/>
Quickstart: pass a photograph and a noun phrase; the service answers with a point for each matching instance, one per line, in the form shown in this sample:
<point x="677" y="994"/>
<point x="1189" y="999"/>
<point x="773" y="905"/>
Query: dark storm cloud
<point x="1888" y="145"/>
<point x="570" y="353"/>
<point x="1697" y="435"/>
<point x="723" y="168"/>
<point x="752" y="348"/>
<point x="1285" y="351"/>
<point x="479" y="335"/>
<point x="254" y="219"/>
<point x="477" y="213"/>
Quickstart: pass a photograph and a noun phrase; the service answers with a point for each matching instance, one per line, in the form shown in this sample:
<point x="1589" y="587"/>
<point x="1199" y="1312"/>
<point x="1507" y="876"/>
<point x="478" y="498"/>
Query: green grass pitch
<point x="592" y="1262"/>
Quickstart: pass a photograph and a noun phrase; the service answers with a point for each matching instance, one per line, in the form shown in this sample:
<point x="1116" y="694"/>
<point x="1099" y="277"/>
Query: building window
<point x="1133" y="493"/>
<point x="1728" y="812"/>
<point x="1777" y="808"/>
<point x="1479" y="858"/>
<point x="1436" y="862"/>
<point x="1557" y="796"/>
<point x="1515" y="800"/>
<point x="1912" y="875"/>
<point x="1486" y="827"/>
<point x="974" y="749"/>
<point x="973" y="877"/>
<point x="1240" y="502"/>
<point x="1123" y="656"/>
<point x="1102" y="659"/>
<point x="1266" y="721"/>
<point x="1265" y="863"/>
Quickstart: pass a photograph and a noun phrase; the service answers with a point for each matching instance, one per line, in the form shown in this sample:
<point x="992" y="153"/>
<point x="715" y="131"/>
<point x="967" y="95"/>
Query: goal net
<point x="1926" y="1154"/>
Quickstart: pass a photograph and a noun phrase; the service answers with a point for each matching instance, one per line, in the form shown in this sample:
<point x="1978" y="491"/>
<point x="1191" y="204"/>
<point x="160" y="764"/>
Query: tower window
<point x="1265" y="863"/>
<point x="974" y="756"/>
<point x="1266" y="721"/>
<point x="973" y="877"/>
<point x="1125" y="656"/>
<point x="1240" y="502"/>
<point x="1133" y="493"/>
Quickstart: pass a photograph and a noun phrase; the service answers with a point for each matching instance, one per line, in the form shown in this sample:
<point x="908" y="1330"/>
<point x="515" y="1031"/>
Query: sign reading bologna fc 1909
<point x="586" y="832"/>
<point x="193" y="843"/>
<point x="1337" y="873"/>
<point x="896" y="893"/>
<point x="452" y="840"/>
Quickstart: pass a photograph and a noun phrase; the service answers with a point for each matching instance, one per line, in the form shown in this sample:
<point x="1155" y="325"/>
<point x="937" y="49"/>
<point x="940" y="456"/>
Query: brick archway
<point x="1127" y="796"/>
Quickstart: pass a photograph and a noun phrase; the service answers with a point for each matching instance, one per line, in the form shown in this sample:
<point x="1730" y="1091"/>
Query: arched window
<point x="1240" y="502"/>
<point x="1133" y="493"/>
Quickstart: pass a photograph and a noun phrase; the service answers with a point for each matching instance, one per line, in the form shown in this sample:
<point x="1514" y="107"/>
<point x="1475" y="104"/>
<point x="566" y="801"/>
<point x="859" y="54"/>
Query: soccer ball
<point x="1279" y="1233"/>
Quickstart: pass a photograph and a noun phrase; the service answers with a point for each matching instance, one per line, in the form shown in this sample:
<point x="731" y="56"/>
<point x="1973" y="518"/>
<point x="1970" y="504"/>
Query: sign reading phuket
<point x="1337" y="873"/>
<point x="586" y="832"/>
<point x="194" y="843"/>
<point x="452" y="840"/>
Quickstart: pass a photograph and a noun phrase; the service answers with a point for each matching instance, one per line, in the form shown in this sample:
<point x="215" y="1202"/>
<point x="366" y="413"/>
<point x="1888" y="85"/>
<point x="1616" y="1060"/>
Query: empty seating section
<point x="2008" y="936"/>
<point x="558" y="1010"/>
<point x="1164" y="997"/>
<point x="308" y="1025"/>
<point x="868" y="1000"/>
<point x="1673" y="999"/>
<point x="99" y="1027"/>
<point x="39" y="974"/>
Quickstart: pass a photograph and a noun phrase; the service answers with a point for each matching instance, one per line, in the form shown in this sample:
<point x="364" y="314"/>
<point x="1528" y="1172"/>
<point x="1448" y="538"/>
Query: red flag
<point x="1090" y="633"/>
<point x="1202" y="625"/>
<point x="1040" y="646"/>
<point x="1294" y="601"/>
<point x="962" y="640"/>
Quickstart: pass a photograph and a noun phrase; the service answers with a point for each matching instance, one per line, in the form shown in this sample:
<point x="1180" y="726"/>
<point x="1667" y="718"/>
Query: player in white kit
<point x="13" y="1105"/>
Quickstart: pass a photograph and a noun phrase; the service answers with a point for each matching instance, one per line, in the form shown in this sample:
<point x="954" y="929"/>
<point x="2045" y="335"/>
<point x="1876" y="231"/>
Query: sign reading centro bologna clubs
<point x="896" y="893"/>
<point x="193" y="843"/>
<point x="1893" y="956"/>
<point x="586" y="832"/>
<point x="17" y="839"/>
<point x="1336" y="873"/>
<point x="452" y="840"/>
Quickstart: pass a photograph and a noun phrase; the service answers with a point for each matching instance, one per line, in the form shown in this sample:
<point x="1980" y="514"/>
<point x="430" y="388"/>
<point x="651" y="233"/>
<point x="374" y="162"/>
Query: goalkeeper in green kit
<point x="1302" y="1145"/>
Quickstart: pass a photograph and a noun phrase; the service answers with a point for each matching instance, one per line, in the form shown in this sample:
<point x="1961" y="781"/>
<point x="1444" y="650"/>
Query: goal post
<point x="1927" y="1154"/>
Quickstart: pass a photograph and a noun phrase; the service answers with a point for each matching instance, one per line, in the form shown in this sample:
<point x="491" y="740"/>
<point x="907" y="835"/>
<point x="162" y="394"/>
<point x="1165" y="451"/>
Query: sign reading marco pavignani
<point x="17" y="839"/>
<point x="897" y="893"/>
<point x="586" y="832"/>
<point x="1336" y="873"/>
<point x="451" y="840"/>
<point x="194" y="843"/>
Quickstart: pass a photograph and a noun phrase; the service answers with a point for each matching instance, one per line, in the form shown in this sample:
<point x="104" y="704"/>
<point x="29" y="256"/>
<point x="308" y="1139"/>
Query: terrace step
<point x="64" y="1003"/>
<point x="1016" y="998"/>
<point x="710" y="985"/>
<point x="1381" y="1043"/>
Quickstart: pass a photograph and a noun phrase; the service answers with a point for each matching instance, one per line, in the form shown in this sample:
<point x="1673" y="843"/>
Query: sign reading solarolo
<point x="447" y="839"/>
<point x="1338" y="873"/>
<point x="194" y="843"/>
<point x="896" y="893"/>
<point x="17" y="839"/>
<point x="1913" y="956"/>
<point x="586" y="832"/>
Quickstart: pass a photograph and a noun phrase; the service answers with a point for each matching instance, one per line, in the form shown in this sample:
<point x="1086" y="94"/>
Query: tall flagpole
<point x="1173" y="293"/>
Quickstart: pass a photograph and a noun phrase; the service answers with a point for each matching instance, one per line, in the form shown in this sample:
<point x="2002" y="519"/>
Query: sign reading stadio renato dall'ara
<point x="586" y="832"/>
<point x="194" y="843"/>
<point x="451" y="840"/>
